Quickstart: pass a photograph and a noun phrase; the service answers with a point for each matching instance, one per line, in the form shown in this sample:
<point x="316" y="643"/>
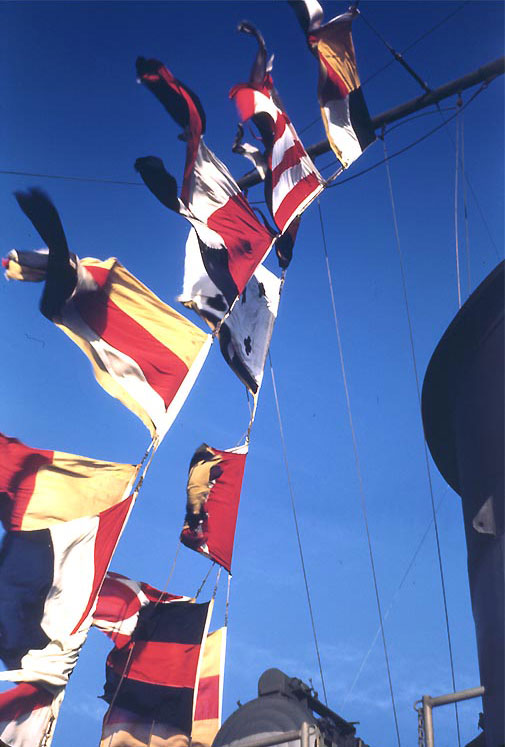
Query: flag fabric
<point x="292" y="181"/>
<point x="63" y="515"/>
<point x="213" y="497"/>
<point x="343" y="109"/>
<point x="233" y="242"/>
<point x="156" y="674"/>
<point x="208" y="709"/>
<point x="125" y="728"/>
<point x="245" y="334"/>
<point x="28" y="715"/>
<point x="142" y="351"/>
<point x="29" y="266"/>
<point x="117" y="613"/>
<point x="119" y="603"/>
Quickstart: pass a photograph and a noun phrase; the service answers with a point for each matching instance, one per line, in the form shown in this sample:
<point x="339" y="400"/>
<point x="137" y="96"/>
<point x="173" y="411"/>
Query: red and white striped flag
<point x="292" y="181"/>
<point x="28" y="715"/>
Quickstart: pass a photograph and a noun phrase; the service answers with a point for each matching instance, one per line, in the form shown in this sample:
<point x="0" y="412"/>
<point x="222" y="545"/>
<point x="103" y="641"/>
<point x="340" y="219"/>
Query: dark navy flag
<point x="156" y="675"/>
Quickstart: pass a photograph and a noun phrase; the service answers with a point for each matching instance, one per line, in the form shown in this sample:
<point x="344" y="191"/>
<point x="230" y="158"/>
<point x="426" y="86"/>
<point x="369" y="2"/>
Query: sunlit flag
<point x="213" y="497"/>
<point x="233" y="241"/>
<point x="292" y="181"/>
<point x="63" y="515"/>
<point x="343" y="108"/>
<point x="117" y="613"/>
<point x="28" y="715"/>
<point x="155" y="675"/>
<point x="245" y="335"/>
<point x="142" y="351"/>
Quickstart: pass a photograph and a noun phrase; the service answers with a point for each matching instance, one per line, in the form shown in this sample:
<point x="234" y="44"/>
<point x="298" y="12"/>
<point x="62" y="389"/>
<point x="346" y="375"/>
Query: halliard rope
<point x="293" y="507"/>
<point x="427" y="461"/>
<point x="358" y="472"/>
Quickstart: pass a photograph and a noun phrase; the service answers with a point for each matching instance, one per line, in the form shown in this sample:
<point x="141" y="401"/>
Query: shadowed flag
<point x="343" y="109"/>
<point x="292" y="181"/>
<point x="143" y="352"/>
<point x="232" y="240"/>
<point x="213" y="497"/>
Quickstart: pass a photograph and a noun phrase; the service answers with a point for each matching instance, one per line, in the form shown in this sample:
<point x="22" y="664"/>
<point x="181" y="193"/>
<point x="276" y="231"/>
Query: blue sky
<point x="71" y="107"/>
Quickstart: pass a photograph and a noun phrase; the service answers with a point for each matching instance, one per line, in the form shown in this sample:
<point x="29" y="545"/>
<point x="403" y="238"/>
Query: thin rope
<point x="331" y="164"/>
<point x="227" y="606"/>
<point x="390" y="607"/>
<point x="465" y="206"/>
<point x="358" y="472"/>
<point x="218" y="576"/>
<point x="152" y="448"/>
<point x="94" y="180"/>
<point x="412" y="145"/>
<point x="171" y="573"/>
<point x="398" y="57"/>
<point x="466" y="177"/>
<point x="418" y="391"/>
<point x="419" y="39"/>
<point x="388" y="64"/>
<point x="47" y="733"/>
<point x="456" y="231"/>
<point x="116" y="691"/>
<point x="204" y="581"/>
<point x="293" y="508"/>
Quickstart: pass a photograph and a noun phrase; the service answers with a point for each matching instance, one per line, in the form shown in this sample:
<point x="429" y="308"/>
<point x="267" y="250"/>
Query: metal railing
<point x="425" y="706"/>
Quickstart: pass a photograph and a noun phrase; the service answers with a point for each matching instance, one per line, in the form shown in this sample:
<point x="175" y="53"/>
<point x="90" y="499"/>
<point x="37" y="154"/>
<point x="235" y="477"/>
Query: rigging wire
<point x="456" y="223"/>
<point x="390" y="607"/>
<point x="398" y="57"/>
<point x="466" y="177"/>
<point x="95" y="180"/>
<point x="171" y="573"/>
<point x="339" y="182"/>
<point x="227" y="606"/>
<point x="204" y="581"/>
<point x="391" y="62"/>
<point x="418" y="391"/>
<point x="419" y="39"/>
<point x="358" y="472"/>
<point x="390" y="129"/>
<point x="293" y="508"/>
<point x="465" y="206"/>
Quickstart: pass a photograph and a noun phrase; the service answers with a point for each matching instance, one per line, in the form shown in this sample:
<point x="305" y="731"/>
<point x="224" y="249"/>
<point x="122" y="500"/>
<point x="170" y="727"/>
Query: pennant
<point x="343" y="109"/>
<point x="292" y="181"/>
<point x="244" y="336"/>
<point x="233" y="242"/>
<point x="117" y="613"/>
<point x="63" y="515"/>
<point x="208" y="710"/>
<point x="213" y="496"/>
<point x="156" y="674"/>
<point x="142" y="351"/>
<point x="28" y="715"/>
<point x="119" y="603"/>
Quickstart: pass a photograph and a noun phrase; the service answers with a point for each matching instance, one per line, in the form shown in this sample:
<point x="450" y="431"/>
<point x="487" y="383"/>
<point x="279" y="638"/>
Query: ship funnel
<point x="463" y="415"/>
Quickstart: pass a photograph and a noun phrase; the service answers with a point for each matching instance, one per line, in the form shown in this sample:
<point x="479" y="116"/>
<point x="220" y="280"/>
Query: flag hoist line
<point x="130" y="653"/>
<point x="358" y="473"/>
<point x="425" y="446"/>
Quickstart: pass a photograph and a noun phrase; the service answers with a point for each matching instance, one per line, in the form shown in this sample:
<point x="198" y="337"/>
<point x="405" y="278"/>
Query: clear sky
<point x="70" y="106"/>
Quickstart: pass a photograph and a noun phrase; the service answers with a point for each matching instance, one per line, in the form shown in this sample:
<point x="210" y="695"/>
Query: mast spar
<point x="484" y="74"/>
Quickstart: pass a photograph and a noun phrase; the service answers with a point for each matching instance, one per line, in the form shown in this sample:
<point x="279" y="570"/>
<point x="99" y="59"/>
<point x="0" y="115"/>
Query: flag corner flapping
<point x="213" y="497"/>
